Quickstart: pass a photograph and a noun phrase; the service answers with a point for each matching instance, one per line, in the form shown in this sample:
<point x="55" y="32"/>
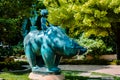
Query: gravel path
<point x="106" y="69"/>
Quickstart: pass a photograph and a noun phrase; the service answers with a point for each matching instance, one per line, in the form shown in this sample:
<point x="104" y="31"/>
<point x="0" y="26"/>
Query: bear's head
<point x="62" y="44"/>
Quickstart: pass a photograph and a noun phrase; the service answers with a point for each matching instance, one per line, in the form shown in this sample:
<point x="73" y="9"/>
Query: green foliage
<point x="10" y="64"/>
<point x="12" y="12"/>
<point x="6" y="51"/>
<point x="18" y="49"/>
<point x="115" y="62"/>
<point x="15" y="50"/>
<point x="96" y="47"/>
<point x="7" y="28"/>
<point x="15" y="8"/>
<point x="10" y="20"/>
<point x="93" y="16"/>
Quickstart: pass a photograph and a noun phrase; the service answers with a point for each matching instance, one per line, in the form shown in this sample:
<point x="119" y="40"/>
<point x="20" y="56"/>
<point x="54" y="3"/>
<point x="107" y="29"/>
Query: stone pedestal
<point x="37" y="76"/>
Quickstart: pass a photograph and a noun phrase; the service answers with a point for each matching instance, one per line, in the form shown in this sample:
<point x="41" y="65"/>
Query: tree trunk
<point x="118" y="51"/>
<point x="118" y="44"/>
<point x="116" y="31"/>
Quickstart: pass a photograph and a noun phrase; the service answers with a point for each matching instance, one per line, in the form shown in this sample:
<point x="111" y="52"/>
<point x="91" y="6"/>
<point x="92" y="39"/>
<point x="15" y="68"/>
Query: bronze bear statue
<point x="44" y="49"/>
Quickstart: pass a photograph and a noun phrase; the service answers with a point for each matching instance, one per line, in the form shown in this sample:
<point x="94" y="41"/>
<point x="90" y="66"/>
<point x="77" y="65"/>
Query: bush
<point x="90" y="62"/>
<point x="96" y="47"/>
<point x="12" y="65"/>
<point x="18" y="49"/>
<point x="115" y="62"/>
<point x="6" y="50"/>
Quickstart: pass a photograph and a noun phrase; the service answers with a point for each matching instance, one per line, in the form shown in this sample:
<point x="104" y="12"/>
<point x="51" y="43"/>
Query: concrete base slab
<point x="35" y="76"/>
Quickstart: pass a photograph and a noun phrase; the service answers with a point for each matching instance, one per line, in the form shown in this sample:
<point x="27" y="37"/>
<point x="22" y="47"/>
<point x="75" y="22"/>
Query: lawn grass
<point x="73" y="75"/>
<point x="14" y="76"/>
<point x="69" y="75"/>
<point x="106" y="75"/>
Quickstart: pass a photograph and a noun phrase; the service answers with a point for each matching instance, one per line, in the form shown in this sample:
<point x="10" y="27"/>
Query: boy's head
<point x="44" y="12"/>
